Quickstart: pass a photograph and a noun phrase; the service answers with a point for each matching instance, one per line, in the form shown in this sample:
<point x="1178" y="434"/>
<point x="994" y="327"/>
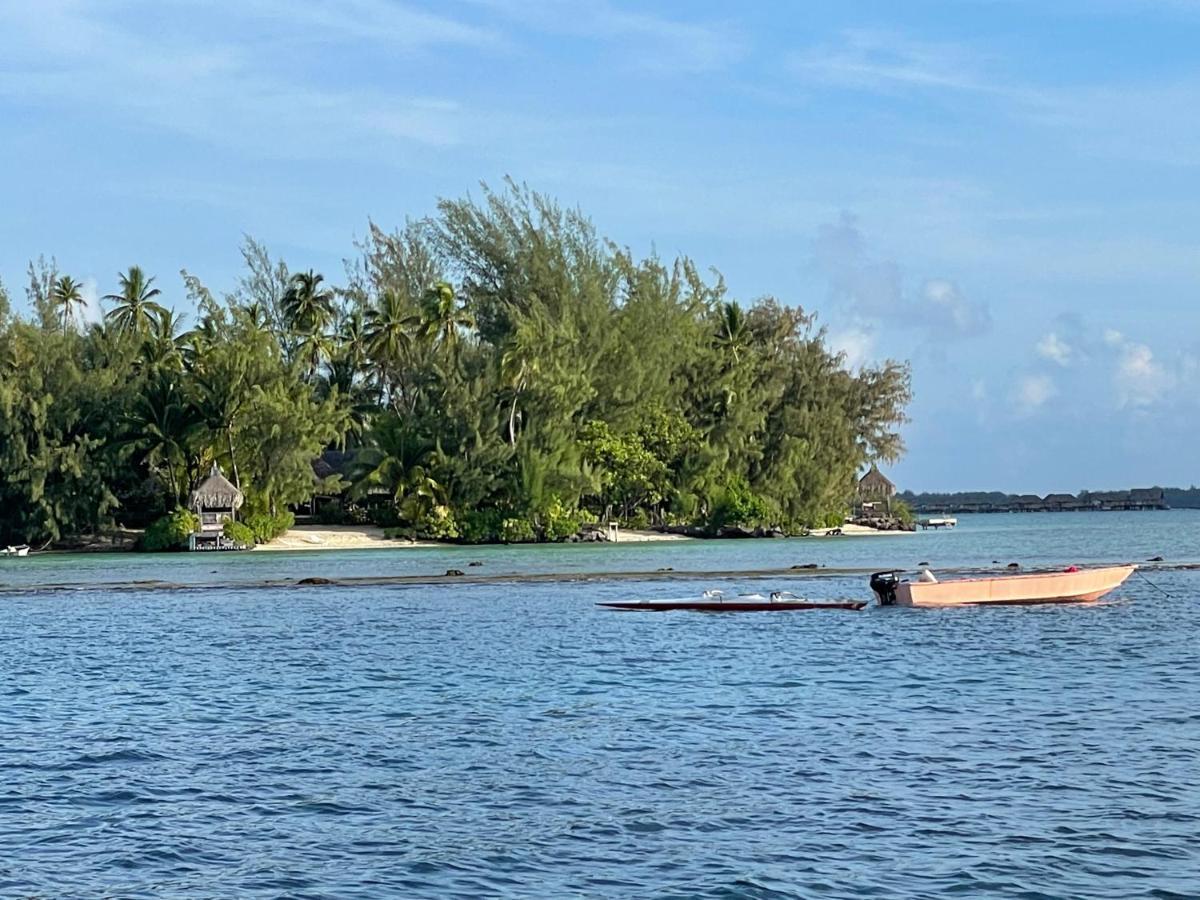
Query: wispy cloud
<point x="646" y="40"/>
<point x="70" y="53"/>
<point x="889" y="61"/>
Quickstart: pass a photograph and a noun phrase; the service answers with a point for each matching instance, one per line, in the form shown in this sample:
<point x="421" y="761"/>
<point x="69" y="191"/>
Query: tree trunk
<point x="237" y="482"/>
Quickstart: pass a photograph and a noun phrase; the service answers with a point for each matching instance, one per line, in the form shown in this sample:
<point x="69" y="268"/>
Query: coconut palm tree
<point x="135" y="309"/>
<point x="733" y="335"/>
<point x="163" y="425"/>
<point x="307" y="305"/>
<point x="164" y="347"/>
<point x="518" y="367"/>
<point x="309" y="310"/>
<point x="442" y="317"/>
<point x="387" y="333"/>
<point x="66" y="296"/>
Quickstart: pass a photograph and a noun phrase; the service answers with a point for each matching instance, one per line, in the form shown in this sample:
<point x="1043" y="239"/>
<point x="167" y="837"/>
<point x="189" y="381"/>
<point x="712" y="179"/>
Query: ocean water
<point x="235" y="737"/>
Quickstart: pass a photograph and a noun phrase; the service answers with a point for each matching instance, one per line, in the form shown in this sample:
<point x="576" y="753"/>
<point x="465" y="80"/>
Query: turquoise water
<point x="513" y="740"/>
<point x="1031" y="539"/>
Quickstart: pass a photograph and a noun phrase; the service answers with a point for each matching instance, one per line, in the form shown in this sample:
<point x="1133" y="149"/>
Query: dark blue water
<point x="507" y="740"/>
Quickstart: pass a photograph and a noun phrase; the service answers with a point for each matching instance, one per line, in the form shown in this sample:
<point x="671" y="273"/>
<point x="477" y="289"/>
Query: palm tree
<point x="442" y="317"/>
<point x="135" y="308"/>
<point x="164" y="424"/>
<point x="733" y="335"/>
<point x="387" y="336"/>
<point x="163" y="347"/>
<point x="65" y="296"/>
<point x="309" y="309"/>
<point x="518" y="366"/>
<point x="307" y="305"/>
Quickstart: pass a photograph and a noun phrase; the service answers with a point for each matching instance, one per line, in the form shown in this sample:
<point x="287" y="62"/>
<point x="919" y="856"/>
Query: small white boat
<point x="22" y="550"/>
<point x="1071" y="586"/>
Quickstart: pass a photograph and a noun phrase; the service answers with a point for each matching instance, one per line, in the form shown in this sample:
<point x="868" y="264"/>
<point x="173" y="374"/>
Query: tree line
<point x="499" y="371"/>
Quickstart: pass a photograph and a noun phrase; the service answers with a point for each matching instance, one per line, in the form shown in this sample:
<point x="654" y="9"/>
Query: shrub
<point x="833" y="520"/>
<point x="736" y="504"/>
<point x="387" y="516"/>
<point x="517" y="531"/>
<point x="171" y="532"/>
<point x="903" y="512"/>
<point x="438" y="524"/>
<point x="266" y="527"/>
<point x="560" y="521"/>
<point x="480" y="526"/>
<point x="240" y="533"/>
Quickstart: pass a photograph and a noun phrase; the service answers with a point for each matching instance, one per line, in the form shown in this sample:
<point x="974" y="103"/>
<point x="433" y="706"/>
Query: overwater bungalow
<point x="1060" y="502"/>
<point x="215" y="501"/>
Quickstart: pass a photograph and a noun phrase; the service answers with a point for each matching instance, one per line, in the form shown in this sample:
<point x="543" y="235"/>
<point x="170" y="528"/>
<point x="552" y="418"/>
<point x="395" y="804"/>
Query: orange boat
<point x="1071" y="586"/>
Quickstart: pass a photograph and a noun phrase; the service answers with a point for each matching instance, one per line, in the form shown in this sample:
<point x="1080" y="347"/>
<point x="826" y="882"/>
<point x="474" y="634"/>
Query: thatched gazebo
<point x="874" y="487"/>
<point x="215" y="501"/>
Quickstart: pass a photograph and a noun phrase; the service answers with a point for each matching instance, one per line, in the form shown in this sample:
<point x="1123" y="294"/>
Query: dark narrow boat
<point x="713" y="601"/>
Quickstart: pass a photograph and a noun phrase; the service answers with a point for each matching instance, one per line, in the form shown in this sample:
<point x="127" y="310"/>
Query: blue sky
<point x="1002" y="192"/>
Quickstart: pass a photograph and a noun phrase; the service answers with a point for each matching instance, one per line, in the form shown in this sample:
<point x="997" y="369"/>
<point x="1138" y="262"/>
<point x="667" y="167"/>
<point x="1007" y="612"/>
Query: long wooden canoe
<point x="1080" y="585"/>
<point x="728" y="606"/>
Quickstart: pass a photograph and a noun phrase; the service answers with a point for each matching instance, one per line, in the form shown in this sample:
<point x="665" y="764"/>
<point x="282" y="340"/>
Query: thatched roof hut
<point x="875" y="484"/>
<point x="216" y="492"/>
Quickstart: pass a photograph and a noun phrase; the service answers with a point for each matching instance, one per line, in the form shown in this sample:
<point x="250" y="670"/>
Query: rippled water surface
<point x="513" y="740"/>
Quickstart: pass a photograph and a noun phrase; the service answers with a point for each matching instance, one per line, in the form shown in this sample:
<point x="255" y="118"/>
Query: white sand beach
<point x="338" y="537"/>
<point x="369" y="537"/>
<point x="851" y="530"/>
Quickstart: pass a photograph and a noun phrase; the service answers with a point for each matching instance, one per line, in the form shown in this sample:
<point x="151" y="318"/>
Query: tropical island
<point x="498" y="372"/>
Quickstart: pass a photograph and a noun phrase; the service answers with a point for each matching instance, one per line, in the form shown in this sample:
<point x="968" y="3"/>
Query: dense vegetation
<point x="500" y="371"/>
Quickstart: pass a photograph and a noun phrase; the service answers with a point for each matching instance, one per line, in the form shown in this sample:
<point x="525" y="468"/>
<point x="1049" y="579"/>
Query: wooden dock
<point x="943" y="522"/>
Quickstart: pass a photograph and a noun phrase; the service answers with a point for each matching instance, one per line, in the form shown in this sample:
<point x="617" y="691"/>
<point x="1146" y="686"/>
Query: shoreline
<point x="307" y="538"/>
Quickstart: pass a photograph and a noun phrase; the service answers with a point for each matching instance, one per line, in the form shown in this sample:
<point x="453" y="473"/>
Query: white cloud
<point x="646" y="40"/>
<point x="1140" y="380"/>
<point x="882" y="60"/>
<point x="857" y="345"/>
<point x="92" y="311"/>
<point x="1055" y="349"/>
<point x="874" y="289"/>
<point x="217" y="84"/>
<point x="1113" y="338"/>
<point x="1032" y="392"/>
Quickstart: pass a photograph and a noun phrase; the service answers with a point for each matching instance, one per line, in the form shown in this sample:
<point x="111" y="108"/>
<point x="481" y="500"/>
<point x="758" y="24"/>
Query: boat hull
<point x="727" y="606"/>
<point x="1045" y="587"/>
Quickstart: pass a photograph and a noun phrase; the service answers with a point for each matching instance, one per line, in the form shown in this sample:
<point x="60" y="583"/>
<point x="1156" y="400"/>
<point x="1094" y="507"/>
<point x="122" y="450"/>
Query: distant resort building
<point x="1100" y="501"/>
<point x="215" y="501"/>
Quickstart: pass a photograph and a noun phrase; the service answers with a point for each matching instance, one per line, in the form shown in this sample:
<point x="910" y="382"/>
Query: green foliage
<point x="735" y="503"/>
<point x="240" y="532"/>
<point x="499" y="372"/>
<point x="480" y="526"/>
<point x="559" y="521"/>
<point x="832" y="519"/>
<point x="902" y="511"/>
<point x="517" y="531"/>
<point x="171" y="532"/>
<point x="265" y="526"/>
<point x="437" y="524"/>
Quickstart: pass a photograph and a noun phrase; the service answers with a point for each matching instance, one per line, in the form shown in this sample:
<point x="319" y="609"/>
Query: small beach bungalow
<point x="874" y="489"/>
<point x="215" y="501"/>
